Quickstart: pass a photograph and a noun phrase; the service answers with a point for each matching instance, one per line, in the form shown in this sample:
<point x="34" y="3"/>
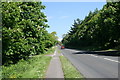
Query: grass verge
<point x="69" y="70"/>
<point x="50" y="51"/>
<point x="32" y="68"/>
<point x="35" y="67"/>
<point x="58" y="50"/>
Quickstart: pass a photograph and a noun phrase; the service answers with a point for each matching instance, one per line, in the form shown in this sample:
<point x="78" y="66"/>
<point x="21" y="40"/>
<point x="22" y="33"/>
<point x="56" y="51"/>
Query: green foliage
<point x="24" y="31"/>
<point x="50" y="51"/>
<point x="100" y="28"/>
<point x="35" y="67"/>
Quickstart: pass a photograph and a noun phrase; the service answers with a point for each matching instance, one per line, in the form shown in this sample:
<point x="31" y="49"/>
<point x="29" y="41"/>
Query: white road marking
<point x="93" y="55"/>
<point x="111" y="60"/>
<point x="105" y="58"/>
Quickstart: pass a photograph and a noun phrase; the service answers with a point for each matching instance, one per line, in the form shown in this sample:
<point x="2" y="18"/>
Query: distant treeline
<point x="100" y="29"/>
<point x="24" y="31"/>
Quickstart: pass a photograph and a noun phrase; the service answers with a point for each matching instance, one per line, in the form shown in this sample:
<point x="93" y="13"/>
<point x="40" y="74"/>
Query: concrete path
<point x="55" y="67"/>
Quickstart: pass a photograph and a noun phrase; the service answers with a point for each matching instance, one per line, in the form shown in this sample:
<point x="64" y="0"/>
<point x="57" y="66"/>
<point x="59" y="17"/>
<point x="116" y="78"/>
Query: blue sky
<point x="61" y="15"/>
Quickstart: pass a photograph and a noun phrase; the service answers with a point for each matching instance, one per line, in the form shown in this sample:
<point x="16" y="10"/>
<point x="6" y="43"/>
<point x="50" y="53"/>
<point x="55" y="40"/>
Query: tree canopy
<point x="100" y="28"/>
<point x="24" y="31"/>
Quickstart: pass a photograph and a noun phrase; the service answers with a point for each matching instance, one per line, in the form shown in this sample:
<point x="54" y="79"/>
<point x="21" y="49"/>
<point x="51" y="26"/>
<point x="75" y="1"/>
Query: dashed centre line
<point x="105" y="58"/>
<point x="96" y="56"/>
<point x="111" y="60"/>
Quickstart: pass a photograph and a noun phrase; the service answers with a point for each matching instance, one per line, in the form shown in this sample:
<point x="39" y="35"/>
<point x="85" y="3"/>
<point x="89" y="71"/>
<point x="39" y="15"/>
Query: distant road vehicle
<point x="62" y="47"/>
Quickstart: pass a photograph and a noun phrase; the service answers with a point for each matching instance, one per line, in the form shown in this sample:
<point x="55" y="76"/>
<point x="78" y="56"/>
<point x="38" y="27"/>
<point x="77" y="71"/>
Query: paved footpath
<point x="55" y="67"/>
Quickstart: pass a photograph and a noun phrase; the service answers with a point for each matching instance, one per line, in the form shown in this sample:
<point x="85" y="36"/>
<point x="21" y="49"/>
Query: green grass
<point x="50" y="51"/>
<point x="35" y="67"/>
<point x="110" y="50"/>
<point x="69" y="70"/>
<point x="58" y="50"/>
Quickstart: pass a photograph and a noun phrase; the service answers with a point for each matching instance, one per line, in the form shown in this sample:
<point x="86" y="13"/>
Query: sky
<point x="61" y="15"/>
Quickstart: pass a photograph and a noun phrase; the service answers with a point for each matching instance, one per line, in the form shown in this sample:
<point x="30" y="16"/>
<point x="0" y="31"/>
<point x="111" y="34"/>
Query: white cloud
<point x="59" y="39"/>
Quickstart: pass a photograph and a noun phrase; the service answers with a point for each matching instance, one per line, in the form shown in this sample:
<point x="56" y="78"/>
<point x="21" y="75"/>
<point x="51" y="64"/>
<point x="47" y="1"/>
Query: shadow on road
<point x="105" y="53"/>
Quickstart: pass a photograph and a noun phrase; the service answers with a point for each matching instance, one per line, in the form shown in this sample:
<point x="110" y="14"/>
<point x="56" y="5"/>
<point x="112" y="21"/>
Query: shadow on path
<point x="105" y="53"/>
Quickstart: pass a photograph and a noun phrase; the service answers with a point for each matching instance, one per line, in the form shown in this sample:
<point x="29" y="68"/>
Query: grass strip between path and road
<point x="35" y="67"/>
<point x="69" y="70"/>
<point x="58" y="50"/>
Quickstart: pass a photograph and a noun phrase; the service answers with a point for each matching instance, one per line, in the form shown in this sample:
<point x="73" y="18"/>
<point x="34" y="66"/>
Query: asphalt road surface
<point x="93" y="65"/>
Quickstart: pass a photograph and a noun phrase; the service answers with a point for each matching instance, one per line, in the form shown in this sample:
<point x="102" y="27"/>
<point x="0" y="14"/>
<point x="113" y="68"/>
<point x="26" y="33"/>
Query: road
<point x="93" y="65"/>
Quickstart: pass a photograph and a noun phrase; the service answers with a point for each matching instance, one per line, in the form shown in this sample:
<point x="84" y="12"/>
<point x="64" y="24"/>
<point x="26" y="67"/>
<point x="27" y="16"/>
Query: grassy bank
<point x="35" y="67"/>
<point x="69" y="70"/>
